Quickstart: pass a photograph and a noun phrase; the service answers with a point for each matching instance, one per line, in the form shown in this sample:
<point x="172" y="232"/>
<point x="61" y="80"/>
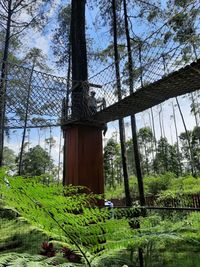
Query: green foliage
<point x="118" y="192"/>
<point x="180" y="192"/>
<point x="163" y="185"/>
<point x="166" y="159"/>
<point x="187" y="184"/>
<point x="61" y="36"/>
<point x="68" y="214"/>
<point x="112" y="163"/>
<point x="36" y="57"/>
<point x="152" y="184"/>
<point x="62" y="212"/>
<point x="8" y="157"/>
<point x="36" y="161"/>
<point x="19" y="236"/>
<point x="156" y="184"/>
<point x="27" y="260"/>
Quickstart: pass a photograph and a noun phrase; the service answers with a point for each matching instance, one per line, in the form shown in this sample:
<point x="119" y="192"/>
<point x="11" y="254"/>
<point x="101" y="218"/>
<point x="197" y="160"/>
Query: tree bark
<point x="25" y="120"/>
<point x="188" y="140"/>
<point x="177" y="140"/>
<point x="3" y="81"/>
<point x="194" y="109"/>
<point x="79" y="60"/>
<point x="133" y="120"/>
<point x="121" y="121"/>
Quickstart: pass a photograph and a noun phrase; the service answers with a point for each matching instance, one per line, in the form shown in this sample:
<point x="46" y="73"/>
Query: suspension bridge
<point x="166" y="65"/>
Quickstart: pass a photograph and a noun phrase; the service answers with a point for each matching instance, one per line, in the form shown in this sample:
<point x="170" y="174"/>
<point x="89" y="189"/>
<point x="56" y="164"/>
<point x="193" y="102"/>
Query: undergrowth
<point x="156" y="185"/>
<point x="69" y="216"/>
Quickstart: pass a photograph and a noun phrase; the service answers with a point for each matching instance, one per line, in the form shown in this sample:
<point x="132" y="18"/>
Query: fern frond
<point x="20" y="260"/>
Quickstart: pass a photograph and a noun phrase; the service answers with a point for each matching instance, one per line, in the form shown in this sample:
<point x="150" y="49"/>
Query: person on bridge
<point x="92" y="106"/>
<point x="92" y="103"/>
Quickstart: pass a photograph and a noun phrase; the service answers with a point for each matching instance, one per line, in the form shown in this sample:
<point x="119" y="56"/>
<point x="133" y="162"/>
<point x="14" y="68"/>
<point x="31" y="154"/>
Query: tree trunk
<point x="153" y="125"/>
<point x="3" y="82"/>
<point x="133" y="120"/>
<point x="194" y="109"/>
<point x="152" y="141"/>
<point x="25" y="120"/>
<point x="50" y="146"/>
<point x="162" y="120"/>
<point x="146" y="156"/>
<point x="59" y="163"/>
<point x="69" y="69"/>
<point x="79" y="60"/>
<point x="121" y="121"/>
<point x="188" y="140"/>
<point x="66" y="112"/>
<point x="160" y="124"/>
<point x="177" y="140"/>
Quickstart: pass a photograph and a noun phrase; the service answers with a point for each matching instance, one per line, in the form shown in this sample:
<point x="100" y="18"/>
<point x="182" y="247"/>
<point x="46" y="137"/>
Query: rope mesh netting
<point x="39" y="94"/>
<point x="164" y="52"/>
<point x="160" y="54"/>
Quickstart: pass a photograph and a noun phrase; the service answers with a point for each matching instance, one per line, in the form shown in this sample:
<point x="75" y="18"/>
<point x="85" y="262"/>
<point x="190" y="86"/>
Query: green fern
<point x="68" y="214"/>
<point x="21" y="260"/>
<point x="26" y="260"/>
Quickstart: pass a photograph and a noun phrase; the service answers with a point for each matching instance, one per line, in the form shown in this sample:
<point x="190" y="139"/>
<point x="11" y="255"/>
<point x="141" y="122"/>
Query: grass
<point x="18" y="235"/>
<point x="154" y="185"/>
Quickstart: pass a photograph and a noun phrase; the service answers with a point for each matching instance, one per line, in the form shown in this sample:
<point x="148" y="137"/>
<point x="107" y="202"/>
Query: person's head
<point x="93" y="93"/>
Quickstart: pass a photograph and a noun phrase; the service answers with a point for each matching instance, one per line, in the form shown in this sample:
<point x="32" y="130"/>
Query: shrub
<point x="155" y="185"/>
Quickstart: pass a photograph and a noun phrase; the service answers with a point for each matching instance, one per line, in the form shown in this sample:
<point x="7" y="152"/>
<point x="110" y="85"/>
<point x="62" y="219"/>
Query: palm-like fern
<point x="68" y="214"/>
<point x="26" y="260"/>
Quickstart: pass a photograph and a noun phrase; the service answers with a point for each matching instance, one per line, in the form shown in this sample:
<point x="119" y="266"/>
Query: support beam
<point x="83" y="162"/>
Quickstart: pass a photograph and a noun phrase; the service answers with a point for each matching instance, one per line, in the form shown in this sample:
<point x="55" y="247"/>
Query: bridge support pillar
<point x="83" y="157"/>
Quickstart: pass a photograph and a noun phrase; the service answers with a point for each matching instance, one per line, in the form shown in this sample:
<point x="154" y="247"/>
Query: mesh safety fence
<point x="163" y="52"/>
<point x="38" y="94"/>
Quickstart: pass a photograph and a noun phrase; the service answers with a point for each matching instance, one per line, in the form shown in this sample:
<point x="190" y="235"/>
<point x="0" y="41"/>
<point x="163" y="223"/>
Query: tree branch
<point x="17" y="4"/>
<point x="18" y="24"/>
<point x="27" y="25"/>
<point x="2" y="3"/>
<point x="148" y="4"/>
<point x="23" y="6"/>
<point x="3" y="16"/>
<point x="1" y="24"/>
<point x="138" y="38"/>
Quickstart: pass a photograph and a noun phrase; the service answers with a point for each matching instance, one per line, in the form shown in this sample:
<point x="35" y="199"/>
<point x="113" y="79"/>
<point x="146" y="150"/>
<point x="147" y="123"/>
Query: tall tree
<point x="177" y="139"/>
<point x="36" y="58"/>
<point x="187" y="135"/>
<point x="195" y="147"/>
<point x="119" y="93"/>
<point x="133" y="120"/>
<point x="9" y="157"/>
<point x="35" y="162"/>
<point x="145" y="140"/>
<point x="161" y="162"/>
<point x="13" y="23"/>
<point x="112" y="164"/>
<point x="61" y="36"/>
<point x="79" y="59"/>
<point x="62" y="49"/>
<point x="51" y="143"/>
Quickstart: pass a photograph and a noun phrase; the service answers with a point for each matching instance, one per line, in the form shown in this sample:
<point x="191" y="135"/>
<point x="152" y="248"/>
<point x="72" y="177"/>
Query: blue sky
<point x="43" y="41"/>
